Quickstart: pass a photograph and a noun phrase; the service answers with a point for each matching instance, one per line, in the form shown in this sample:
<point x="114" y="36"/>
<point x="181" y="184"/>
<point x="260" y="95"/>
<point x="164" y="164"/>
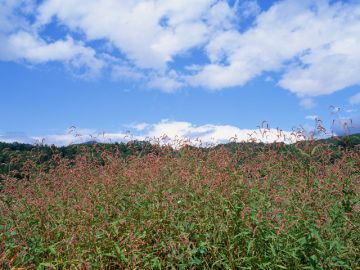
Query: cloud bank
<point x="311" y="46"/>
<point x="165" y="131"/>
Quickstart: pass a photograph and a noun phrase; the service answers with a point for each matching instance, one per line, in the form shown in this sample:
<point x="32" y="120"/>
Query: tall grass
<point x="274" y="207"/>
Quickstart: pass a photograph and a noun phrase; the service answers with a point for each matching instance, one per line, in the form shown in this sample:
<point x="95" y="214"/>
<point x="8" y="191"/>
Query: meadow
<point x="238" y="206"/>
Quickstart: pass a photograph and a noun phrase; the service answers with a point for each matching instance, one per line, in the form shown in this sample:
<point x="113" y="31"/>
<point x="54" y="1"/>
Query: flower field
<point x="241" y="207"/>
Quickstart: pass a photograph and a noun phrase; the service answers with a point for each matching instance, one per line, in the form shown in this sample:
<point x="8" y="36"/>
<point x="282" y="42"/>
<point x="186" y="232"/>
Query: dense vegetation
<point x="15" y="157"/>
<point x="142" y="206"/>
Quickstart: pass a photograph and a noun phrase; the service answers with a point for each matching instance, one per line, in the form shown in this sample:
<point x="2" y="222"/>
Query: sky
<point x="110" y="70"/>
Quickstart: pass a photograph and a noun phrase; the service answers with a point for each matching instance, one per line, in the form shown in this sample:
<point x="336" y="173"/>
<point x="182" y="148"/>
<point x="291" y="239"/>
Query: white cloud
<point x="10" y="137"/>
<point x="311" y="117"/>
<point x="19" y="41"/>
<point x="125" y="72"/>
<point x="355" y="99"/>
<point x="174" y="132"/>
<point x="351" y="110"/>
<point x="73" y="136"/>
<point x="134" y="27"/>
<point x="165" y="131"/>
<point x="139" y="126"/>
<point x="12" y="15"/>
<point x="26" y="46"/>
<point x="329" y="69"/>
<point x="307" y="103"/>
<point x="221" y="16"/>
<point x="312" y="45"/>
<point x="215" y="134"/>
<point x="167" y="83"/>
<point x="249" y="8"/>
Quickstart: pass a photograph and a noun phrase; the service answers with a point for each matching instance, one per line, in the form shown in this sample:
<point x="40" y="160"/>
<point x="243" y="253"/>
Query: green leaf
<point x="303" y="153"/>
<point x="52" y="250"/>
<point x="250" y="245"/>
<point x="314" y="150"/>
<point x="45" y="265"/>
<point x="120" y="253"/>
<point x="155" y="263"/>
<point x="273" y="251"/>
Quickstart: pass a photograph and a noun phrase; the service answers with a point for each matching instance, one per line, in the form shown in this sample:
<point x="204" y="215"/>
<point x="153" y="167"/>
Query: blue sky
<point x="201" y="68"/>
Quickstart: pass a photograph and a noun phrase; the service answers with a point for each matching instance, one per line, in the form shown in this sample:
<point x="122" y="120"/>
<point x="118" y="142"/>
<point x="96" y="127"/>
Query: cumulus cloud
<point x="165" y="131"/>
<point x="215" y="134"/>
<point x="150" y="33"/>
<point x="26" y="46"/>
<point x="19" y="41"/>
<point x="249" y="8"/>
<point x="312" y="45"/>
<point x="13" y="15"/>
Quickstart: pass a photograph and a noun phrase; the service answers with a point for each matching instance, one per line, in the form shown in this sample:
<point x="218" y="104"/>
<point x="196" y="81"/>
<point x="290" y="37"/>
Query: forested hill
<point x="13" y="156"/>
<point x="345" y="141"/>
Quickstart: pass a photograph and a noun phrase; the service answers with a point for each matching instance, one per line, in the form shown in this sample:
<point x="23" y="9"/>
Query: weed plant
<point x="274" y="208"/>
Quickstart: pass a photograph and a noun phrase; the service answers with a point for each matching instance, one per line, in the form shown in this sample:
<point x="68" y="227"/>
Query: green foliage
<point x="142" y="206"/>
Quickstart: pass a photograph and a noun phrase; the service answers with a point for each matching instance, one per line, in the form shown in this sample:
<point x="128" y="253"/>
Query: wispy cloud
<point x="355" y="99"/>
<point x="307" y="103"/>
<point x="312" y="117"/>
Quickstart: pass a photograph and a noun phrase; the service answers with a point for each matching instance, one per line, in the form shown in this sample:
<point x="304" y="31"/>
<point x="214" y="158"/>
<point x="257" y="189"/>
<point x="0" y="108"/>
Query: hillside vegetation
<point x="142" y="206"/>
